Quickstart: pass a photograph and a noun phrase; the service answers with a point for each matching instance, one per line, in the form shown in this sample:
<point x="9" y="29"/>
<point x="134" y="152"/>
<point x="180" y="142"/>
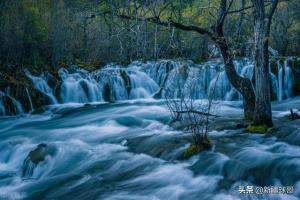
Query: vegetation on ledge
<point x="257" y="129"/>
<point x="194" y="149"/>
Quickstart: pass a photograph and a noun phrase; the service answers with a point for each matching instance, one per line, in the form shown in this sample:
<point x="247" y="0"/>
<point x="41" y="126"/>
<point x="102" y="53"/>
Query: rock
<point x="38" y="110"/>
<point x="106" y="93"/>
<point x="127" y="81"/>
<point x="21" y="88"/>
<point x="293" y="115"/>
<point x="35" y="157"/>
<point x="157" y="95"/>
<point x="238" y="126"/>
<point x="38" y="154"/>
<point x="295" y="66"/>
<point x="9" y="106"/>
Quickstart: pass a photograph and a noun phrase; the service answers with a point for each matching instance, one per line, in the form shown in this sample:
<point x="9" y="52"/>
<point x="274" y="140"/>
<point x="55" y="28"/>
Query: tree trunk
<point x="263" y="111"/>
<point x="241" y="84"/>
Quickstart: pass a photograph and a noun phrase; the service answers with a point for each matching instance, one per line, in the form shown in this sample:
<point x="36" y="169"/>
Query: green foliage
<point x="192" y="150"/>
<point x="257" y="129"/>
<point x="39" y="33"/>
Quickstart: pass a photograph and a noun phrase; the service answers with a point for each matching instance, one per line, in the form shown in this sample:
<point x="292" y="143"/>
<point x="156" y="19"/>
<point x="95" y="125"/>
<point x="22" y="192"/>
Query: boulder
<point x="35" y="157"/>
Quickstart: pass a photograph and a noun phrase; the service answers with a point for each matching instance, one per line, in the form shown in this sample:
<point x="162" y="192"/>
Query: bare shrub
<point x="193" y="116"/>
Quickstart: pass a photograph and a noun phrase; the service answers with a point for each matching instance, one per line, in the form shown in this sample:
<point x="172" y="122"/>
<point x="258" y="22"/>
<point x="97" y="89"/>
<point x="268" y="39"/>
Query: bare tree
<point x="216" y="34"/>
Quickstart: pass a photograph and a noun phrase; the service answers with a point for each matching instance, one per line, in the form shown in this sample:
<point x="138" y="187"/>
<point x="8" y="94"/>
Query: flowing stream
<point x="128" y="150"/>
<point x="104" y="136"/>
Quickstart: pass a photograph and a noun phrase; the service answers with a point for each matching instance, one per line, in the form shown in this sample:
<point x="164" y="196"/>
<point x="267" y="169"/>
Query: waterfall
<point x="29" y="99"/>
<point x="203" y="79"/>
<point x="112" y="83"/>
<point x="79" y="87"/>
<point x="2" y="108"/>
<point x="141" y="85"/>
<point x="158" y="79"/>
<point x="285" y="81"/>
<point x="41" y="84"/>
<point x="288" y="80"/>
<point x="13" y="106"/>
<point x="280" y="82"/>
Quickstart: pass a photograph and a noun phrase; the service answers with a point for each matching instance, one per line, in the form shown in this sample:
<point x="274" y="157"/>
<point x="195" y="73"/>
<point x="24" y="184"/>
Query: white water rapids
<point x="127" y="150"/>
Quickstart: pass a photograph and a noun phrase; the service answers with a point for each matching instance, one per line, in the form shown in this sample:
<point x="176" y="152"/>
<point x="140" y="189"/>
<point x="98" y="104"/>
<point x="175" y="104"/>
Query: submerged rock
<point x="35" y="157"/>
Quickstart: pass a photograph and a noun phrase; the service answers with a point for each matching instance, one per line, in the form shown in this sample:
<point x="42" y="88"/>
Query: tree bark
<point x="263" y="111"/>
<point x="241" y="84"/>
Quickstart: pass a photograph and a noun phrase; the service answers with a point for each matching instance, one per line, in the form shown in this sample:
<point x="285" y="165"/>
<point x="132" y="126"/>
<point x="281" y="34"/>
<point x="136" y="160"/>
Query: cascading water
<point x="288" y="80"/>
<point x="130" y="151"/>
<point x="203" y="79"/>
<point x="41" y="84"/>
<point x="9" y="105"/>
<point x="285" y="81"/>
<point x="79" y="87"/>
<point x="111" y="83"/>
<point x="159" y="79"/>
<point x="29" y="99"/>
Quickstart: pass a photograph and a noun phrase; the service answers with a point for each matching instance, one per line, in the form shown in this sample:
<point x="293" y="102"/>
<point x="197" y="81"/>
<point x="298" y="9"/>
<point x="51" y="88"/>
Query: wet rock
<point x="38" y="110"/>
<point x="20" y="87"/>
<point x="293" y="115"/>
<point x="106" y="93"/>
<point x="238" y="126"/>
<point x="35" y="157"/>
<point x="295" y="66"/>
<point x="38" y="154"/>
<point x="9" y="106"/>
<point x="127" y="81"/>
<point x="158" y="94"/>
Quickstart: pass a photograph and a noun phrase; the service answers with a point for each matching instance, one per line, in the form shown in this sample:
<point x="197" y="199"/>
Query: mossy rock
<point x="194" y="149"/>
<point x="257" y="128"/>
<point x="38" y="111"/>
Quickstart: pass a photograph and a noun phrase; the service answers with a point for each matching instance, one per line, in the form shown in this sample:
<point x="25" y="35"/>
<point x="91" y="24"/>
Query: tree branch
<point x="168" y="23"/>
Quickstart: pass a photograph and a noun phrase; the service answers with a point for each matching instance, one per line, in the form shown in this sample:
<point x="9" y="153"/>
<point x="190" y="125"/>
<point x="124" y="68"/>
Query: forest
<point x="150" y="99"/>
